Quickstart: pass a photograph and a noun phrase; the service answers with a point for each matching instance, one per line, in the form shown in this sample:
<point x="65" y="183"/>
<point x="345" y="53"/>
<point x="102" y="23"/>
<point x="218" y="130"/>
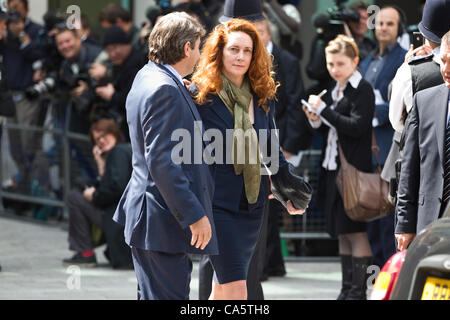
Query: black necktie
<point x="446" y="193"/>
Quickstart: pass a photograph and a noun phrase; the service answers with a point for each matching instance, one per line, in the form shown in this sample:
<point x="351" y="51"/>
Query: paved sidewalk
<point x="31" y="254"/>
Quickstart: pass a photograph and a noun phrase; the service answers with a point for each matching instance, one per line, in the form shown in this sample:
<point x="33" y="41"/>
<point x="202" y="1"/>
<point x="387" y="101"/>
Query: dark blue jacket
<point x="229" y="187"/>
<point x="384" y="131"/>
<point x="19" y="61"/>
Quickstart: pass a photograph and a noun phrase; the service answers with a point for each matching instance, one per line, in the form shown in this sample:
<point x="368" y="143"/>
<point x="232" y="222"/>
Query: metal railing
<point x="301" y="228"/>
<point x="63" y="148"/>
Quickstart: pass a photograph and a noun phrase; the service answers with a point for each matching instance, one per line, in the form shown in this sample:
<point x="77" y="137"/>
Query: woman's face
<point x="340" y="66"/>
<point x="237" y="56"/>
<point x="104" y="141"/>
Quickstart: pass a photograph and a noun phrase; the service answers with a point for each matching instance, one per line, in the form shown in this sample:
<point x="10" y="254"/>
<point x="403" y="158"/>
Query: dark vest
<point x="425" y="73"/>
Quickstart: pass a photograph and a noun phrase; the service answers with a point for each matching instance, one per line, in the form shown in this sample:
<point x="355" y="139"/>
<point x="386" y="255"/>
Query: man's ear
<point x="187" y="49"/>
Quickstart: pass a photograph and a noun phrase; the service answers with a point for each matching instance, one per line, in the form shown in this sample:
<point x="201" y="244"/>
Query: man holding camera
<point x="20" y="49"/>
<point x="359" y="29"/>
<point x="126" y="61"/>
<point x="74" y="78"/>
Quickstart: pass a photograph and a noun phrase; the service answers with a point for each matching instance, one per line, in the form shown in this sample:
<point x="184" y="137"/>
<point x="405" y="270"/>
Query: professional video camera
<point x="331" y="24"/>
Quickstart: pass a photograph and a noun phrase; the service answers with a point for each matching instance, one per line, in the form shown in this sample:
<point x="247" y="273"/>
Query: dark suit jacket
<point x="229" y="186"/>
<point x="115" y="178"/>
<point x="384" y="131"/>
<point x="352" y="119"/>
<point x="422" y="175"/>
<point x="164" y="197"/>
<point x="289" y="117"/>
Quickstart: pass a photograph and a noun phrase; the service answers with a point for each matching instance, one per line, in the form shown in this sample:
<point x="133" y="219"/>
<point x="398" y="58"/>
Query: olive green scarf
<point x="237" y="101"/>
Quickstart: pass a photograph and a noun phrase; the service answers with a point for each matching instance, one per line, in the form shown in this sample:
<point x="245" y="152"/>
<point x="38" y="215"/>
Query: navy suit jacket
<point x="163" y="197"/>
<point x="422" y="176"/>
<point x="384" y="132"/>
<point x="229" y="186"/>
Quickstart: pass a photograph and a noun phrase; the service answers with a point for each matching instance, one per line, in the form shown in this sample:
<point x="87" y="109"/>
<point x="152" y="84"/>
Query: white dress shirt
<point x="174" y="72"/>
<point x="402" y="93"/>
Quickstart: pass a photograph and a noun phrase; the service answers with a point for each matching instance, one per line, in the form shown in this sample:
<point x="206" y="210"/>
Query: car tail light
<point x="388" y="276"/>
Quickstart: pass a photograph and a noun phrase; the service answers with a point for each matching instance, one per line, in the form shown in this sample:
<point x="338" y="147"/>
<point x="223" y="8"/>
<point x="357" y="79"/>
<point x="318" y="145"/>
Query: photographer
<point x="20" y="50"/>
<point x="127" y="61"/>
<point x="328" y="26"/>
<point x="197" y="9"/>
<point x="75" y="85"/>
<point x="115" y="15"/>
<point x="359" y="29"/>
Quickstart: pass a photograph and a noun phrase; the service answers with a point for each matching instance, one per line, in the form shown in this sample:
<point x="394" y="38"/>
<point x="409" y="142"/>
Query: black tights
<point x="354" y="244"/>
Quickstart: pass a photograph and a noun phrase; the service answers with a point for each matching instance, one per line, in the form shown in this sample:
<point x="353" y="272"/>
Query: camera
<point x="332" y="23"/>
<point x="45" y="86"/>
<point x="52" y="60"/>
<point x="13" y="16"/>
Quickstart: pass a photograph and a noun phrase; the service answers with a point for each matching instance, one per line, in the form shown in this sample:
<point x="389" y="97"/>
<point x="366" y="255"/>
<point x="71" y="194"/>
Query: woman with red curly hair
<point x="234" y="93"/>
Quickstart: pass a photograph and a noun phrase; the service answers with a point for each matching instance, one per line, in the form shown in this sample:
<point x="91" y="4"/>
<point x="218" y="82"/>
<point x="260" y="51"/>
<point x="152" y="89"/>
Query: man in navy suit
<point x="379" y="68"/>
<point x="167" y="206"/>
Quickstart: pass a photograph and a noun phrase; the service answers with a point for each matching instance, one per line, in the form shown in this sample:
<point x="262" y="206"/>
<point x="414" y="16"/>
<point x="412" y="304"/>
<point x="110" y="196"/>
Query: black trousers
<point x="82" y="214"/>
<point x="274" y="261"/>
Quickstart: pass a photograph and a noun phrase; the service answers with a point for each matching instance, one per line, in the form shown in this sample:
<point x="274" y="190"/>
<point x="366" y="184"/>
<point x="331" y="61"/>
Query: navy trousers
<point x="162" y="275"/>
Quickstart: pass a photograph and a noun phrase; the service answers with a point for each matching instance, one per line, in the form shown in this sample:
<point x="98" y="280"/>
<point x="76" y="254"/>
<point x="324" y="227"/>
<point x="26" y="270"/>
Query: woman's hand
<point x="99" y="160"/>
<point x="311" y="116"/>
<point x="315" y="101"/>
<point x="88" y="193"/>
<point x="292" y="210"/>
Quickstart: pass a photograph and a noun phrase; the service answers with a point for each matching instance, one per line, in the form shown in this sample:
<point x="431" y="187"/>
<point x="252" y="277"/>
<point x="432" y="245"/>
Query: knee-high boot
<point x="346" y="266"/>
<point x="359" y="278"/>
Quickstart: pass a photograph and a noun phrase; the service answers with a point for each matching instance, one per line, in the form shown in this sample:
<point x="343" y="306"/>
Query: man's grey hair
<point x="446" y="39"/>
<point x="169" y="36"/>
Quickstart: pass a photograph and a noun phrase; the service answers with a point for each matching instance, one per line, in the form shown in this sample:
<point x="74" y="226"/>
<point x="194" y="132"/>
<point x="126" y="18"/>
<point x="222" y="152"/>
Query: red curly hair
<point x="207" y="75"/>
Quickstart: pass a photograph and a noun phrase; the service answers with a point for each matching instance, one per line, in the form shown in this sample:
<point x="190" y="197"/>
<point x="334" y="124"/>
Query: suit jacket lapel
<point x="441" y="101"/>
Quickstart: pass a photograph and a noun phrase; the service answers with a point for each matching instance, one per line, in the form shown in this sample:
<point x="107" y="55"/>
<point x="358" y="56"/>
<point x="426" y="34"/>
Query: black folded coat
<point x="286" y="185"/>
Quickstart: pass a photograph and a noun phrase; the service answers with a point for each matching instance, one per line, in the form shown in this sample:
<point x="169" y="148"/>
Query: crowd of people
<point x="120" y="92"/>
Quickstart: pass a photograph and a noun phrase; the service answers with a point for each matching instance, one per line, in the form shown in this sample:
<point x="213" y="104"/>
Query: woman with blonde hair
<point x="234" y="92"/>
<point x="345" y="117"/>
